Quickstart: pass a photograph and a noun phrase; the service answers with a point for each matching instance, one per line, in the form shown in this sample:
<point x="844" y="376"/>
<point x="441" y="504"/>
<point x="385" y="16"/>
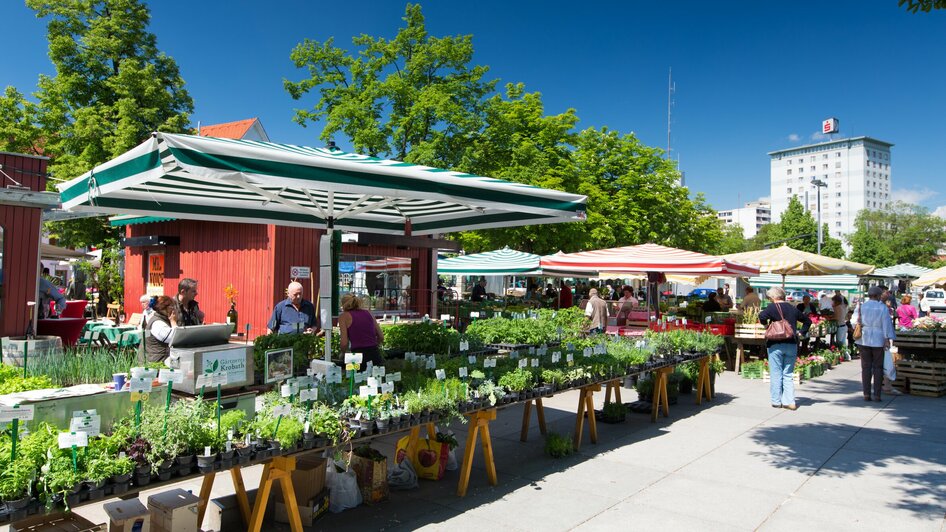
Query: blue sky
<point x="751" y="77"/>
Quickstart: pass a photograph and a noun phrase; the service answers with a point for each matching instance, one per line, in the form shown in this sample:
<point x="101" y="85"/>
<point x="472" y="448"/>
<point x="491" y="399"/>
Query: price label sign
<point x="353" y="358"/>
<point x="531" y="350"/>
<point x="463" y="373"/>
<point x="474" y="314"/>
<point x="410" y="356"/>
<point x="535" y="362"/>
<point x="312" y="394"/>
<point x="514" y="355"/>
<point x="569" y="346"/>
<point x="281" y="410"/>
<point x="489" y="363"/>
<point x="365" y="391"/>
<point x="378" y="371"/>
<point x="360" y="377"/>
<point x="141" y="385"/>
<point x="387" y="387"/>
<point x="21" y="412"/>
<point x="373" y="382"/>
<point x="91" y="425"/>
<point x="523" y="362"/>
<point x="556" y="357"/>
<point x="464" y="345"/>
<point x="69" y="439"/>
<point x="569" y="358"/>
<point x="169" y="375"/>
<point x="285" y="390"/>
<point x="441" y="374"/>
<point x="471" y="359"/>
<point x="444" y="317"/>
<point x="394" y="377"/>
<point x="586" y="352"/>
<point x="431" y="363"/>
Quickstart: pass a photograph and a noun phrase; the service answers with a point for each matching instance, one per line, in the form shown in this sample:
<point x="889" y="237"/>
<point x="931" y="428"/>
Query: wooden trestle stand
<point x="586" y="407"/>
<point x="527" y="417"/>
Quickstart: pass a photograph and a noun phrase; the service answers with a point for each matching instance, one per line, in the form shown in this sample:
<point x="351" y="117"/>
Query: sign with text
<point x="230" y="361"/>
<point x="295" y="272"/>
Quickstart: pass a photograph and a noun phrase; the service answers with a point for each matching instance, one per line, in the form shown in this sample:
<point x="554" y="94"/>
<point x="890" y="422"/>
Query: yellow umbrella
<point x="930" y="278"/>
<point x="787" y="261"/>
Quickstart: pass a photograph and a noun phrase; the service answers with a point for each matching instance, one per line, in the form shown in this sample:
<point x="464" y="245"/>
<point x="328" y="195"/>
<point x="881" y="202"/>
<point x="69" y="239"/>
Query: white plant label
<point x="464" y="345"/>
<point x="91" y="425"/>
<point x="285" y="390"/>
<point x="21" y="412"/>
<point x="586" y="352"/>
<point x="514" y="355"/>
<point x="305" y="428"/>
<point x="394" y="377"/>
<point x="523" y="362"/>
<point x="569" y="346"/>
<point x="441" y="374"/>
<point x="531" y="350"/>
<point x="409" y="356"/>
<point x="431" y="363"/>
<point x="365" y="391"/>
<point x="69" y="439"/>
<point x="387" y="387"/>
<point x="353" y="358"/>
<point x="535" y="362"/>
<point x="489" y="363"/>
<point x="569" y="358"/>
<point x="471" y="359"/>
<point x="474" y="314"/>
<point x="207" y="451"/>
<point x="169" y="375"/>
<point x="141" y="385"/>
<point x="378" y="371"/>
<point x="444" y="317"/>
<point x="373" y="382"/>
<point x="463" y="373"/>
<point x="282" y="410"/>
<point x="312" y="394"/>
<point x="360" y="377"/>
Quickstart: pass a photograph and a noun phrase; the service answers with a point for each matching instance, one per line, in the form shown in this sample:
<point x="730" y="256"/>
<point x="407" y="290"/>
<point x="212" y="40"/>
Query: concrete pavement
<point x="837" y="463"/>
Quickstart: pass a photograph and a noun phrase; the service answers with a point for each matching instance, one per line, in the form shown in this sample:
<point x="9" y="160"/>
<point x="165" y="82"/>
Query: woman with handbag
<point x="876" y="334"/>
<point x="781" y="340"/>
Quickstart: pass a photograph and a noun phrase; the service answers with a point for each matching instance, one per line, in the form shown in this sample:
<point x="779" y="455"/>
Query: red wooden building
<point x="256" y="259"/>
<point x="23" y="197"/>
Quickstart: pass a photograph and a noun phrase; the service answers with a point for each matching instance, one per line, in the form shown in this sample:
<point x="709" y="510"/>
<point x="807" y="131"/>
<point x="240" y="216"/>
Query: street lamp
<point x="819" y="183"/>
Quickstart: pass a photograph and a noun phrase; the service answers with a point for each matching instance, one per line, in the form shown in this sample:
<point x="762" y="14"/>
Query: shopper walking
<point x="782" y="351"/>
<point x="876" y="335"/>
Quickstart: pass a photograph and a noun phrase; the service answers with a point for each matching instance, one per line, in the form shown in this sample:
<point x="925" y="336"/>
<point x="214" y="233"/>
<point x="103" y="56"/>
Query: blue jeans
<point x="782" y="373"/>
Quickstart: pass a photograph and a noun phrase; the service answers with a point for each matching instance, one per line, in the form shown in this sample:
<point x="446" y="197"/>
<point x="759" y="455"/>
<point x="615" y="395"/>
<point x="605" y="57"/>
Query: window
<point x="838" y="205"/>
<point x="837" y="224"/>
<point x="789" y="171"/>
<point x="837" y="174"/>
<point x="812" y="158"/>
<point x="824" y="166"/>
<point x="812" y="168"/>
<point x="800" y="170"/>
<point x="386" y="279"/>
<point x="801" y="161"/>
<point x="825" y="156"/>
<point x="838" y="194"/>
<point x="837" y="164"/>
<point x="789" y="190"/>
<point x="838" y="154"/>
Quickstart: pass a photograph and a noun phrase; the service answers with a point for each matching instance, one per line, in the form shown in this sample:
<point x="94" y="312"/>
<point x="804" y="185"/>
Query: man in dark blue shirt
<point x="293" y="314"/>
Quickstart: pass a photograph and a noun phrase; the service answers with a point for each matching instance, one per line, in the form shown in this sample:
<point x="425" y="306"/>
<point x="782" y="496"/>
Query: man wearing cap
<point x="597" y="310"/>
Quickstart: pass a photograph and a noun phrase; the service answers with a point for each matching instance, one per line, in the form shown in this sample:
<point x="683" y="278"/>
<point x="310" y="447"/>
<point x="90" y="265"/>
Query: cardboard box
<point x="174" y="511"/>
<point x="128" y="516"/>
<point x="308" y="513"/>
<point x="59" y="522"/>
<point x="308" y="480"/>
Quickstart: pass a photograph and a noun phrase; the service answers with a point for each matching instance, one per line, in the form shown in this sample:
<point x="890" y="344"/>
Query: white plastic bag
<point x="343" y="489"/>
<point x="890" y="369"/>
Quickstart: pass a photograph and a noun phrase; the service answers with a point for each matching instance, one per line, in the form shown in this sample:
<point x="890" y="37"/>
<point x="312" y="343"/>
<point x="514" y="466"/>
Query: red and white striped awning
<point x="645" y="258"/>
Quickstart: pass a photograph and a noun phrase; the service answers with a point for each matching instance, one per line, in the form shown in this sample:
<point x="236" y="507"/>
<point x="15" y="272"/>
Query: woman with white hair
<point x="877" y="333"/>
<point x="782" y="351"/>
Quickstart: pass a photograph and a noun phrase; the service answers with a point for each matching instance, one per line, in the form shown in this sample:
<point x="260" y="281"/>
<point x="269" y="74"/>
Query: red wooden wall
<point x="21" y="226"/>
<point x="255" y="258"/>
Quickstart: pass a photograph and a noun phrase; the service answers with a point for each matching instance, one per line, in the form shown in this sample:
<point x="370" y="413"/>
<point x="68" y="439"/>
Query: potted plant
<point x="516" y="381"/>
<point x="645" y="389"/>
<point x="15" y="481"/>
<point x="558" y="446"/>
<point x="613" y="412"/>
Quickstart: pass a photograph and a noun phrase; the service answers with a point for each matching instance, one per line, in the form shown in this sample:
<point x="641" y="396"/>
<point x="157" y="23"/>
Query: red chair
<point x="75" y="309"/>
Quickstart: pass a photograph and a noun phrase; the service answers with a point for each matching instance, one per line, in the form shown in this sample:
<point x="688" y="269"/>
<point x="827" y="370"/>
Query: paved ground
<point x="837" y="463"/>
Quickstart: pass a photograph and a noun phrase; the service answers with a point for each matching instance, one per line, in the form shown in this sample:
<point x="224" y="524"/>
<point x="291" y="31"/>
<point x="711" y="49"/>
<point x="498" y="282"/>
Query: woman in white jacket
<point x="877" y="333"/>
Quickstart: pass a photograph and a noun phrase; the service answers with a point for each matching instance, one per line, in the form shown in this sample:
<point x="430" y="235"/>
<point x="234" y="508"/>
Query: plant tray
<point x="797" y="378"/>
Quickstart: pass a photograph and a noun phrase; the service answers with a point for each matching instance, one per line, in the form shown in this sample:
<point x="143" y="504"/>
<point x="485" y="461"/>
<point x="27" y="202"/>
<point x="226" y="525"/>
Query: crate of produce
<point x="914" y="339"/>
<point x="920" y="377"/>
<point x="749" y="330"/>
<point x="939" y="339"/>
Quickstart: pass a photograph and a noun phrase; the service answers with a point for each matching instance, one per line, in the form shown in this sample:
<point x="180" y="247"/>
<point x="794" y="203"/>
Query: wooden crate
<point x="918" y="377"/>
<point x="940" y="340"/>
<point x="750" y="330"/>
<point x="914" y="339"/>
<point x="796" y="378"/>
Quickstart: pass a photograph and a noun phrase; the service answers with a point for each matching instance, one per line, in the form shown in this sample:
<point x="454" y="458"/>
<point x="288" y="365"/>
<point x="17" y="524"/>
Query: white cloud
<point x="910" y="195"/>
<point x="794" y="137"/>
<point x="817" y="135"/>
<point x="940" y="211"/>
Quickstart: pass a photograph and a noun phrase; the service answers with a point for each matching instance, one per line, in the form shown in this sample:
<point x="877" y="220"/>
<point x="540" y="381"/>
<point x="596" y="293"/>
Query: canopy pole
<point x="325" y="287"/>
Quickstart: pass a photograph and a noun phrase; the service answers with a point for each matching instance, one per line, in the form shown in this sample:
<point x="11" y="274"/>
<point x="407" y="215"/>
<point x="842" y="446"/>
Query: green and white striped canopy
<point x="499" y="262"/>
<point x="206" y="178"/>
<point x="901" y="271"/>
<point x="806" y="282"/>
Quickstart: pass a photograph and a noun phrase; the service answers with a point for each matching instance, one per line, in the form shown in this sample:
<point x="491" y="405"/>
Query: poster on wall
<point x="155" y="274"/>
<point x="278" y="365"/>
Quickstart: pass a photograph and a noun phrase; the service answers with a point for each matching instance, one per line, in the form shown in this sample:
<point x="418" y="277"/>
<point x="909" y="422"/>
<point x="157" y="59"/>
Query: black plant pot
<point x="143" y="480"/>
<point x="119" y="488"/>
<point x="187" y="459"/>
<point x="164" y="474"/>
<point x="184" y="470"/>
<point x="71" y="500"/>
<point x="118" y="479"/>
<point x="96" y="494"/>
<point x="225" y="463"/>
<point x="18" y="503"/>
<point x="383" y="425"/>
<point x="206" y="463"/>
<point x="242" y="460"/>
<point x="18" y="515"/>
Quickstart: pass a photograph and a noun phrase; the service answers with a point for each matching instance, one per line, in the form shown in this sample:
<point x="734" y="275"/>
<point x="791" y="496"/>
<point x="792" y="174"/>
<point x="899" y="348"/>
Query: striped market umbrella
<point x="206" y="178"/>
<point x="499" y="262"/>
<point x="787" y="261"/>
<point x="830" y="283"/>
<point x="901" y="271"/>
<point x="645" y="258"/>
<point x="935" y="277"/>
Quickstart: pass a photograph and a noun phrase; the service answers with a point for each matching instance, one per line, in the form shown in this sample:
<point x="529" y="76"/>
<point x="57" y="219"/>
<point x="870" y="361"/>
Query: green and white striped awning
<point x="806" y="282"/>
<point x="499" y="262"/>
<point x="901" y="271"/>
<point x="206" y="178"/>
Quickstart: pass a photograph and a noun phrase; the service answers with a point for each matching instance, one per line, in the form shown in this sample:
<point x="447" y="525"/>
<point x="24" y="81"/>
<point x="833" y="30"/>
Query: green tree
<point x="112" y="87"/>
<point x="413" y="97"/>
<point x="733" y="240"/>
<point x="915" y="6"/>
<point x="799" y="225"/>
<point x="19" y="124"/>
<point x="900" y="233"/>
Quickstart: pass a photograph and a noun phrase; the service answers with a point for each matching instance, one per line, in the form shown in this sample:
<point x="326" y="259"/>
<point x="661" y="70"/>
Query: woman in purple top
<point x="360" y="333"/>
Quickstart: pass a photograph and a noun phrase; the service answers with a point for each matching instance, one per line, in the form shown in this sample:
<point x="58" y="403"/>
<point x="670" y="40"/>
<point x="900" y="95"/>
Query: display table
<point x="69" y="329"/>
<point x="114" y="334"/>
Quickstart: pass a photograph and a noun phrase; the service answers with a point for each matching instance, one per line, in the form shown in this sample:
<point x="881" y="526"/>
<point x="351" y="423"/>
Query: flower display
<point x="928" y="323"/>
<point x="231" y="293"/>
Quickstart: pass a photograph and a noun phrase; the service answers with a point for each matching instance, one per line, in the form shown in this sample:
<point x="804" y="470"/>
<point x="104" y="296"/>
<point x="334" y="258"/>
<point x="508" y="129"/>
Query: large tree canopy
<point x="112" y="87"/>
<point x="416" y="98"/>
<point x="901" y="232"/>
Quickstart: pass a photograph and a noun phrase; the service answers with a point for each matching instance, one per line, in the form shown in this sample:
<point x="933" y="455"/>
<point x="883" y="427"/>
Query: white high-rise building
<point x="854" y="173"/>
<point x="751" y="217"/>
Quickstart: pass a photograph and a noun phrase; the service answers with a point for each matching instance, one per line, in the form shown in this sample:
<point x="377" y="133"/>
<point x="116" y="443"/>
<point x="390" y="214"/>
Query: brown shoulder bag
<point x="781" y="329"/>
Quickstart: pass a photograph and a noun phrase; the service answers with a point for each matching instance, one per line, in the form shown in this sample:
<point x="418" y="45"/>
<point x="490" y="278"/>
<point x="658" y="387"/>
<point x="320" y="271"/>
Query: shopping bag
<point x="343" y="489"/>
<point x="431" y="458"/>
<point x="890" y="369"/>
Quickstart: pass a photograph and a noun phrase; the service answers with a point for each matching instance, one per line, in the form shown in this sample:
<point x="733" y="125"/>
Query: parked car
<point x="936" y="299"/>
<point x="796" y="296"/>
<point x="701" y="293"/>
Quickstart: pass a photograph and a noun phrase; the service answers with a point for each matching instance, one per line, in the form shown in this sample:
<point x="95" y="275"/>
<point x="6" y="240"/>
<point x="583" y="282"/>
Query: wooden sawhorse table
<point x="703" y="388"/>
<point x="741" y="343"/>
<point x="586" y="407"/>
<point x="614" y="385"/>
<point x="660" y="400"/>
<point x="479" y="424"/>
<point x="279" y="469"/>
<point x="527" y="417"/>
